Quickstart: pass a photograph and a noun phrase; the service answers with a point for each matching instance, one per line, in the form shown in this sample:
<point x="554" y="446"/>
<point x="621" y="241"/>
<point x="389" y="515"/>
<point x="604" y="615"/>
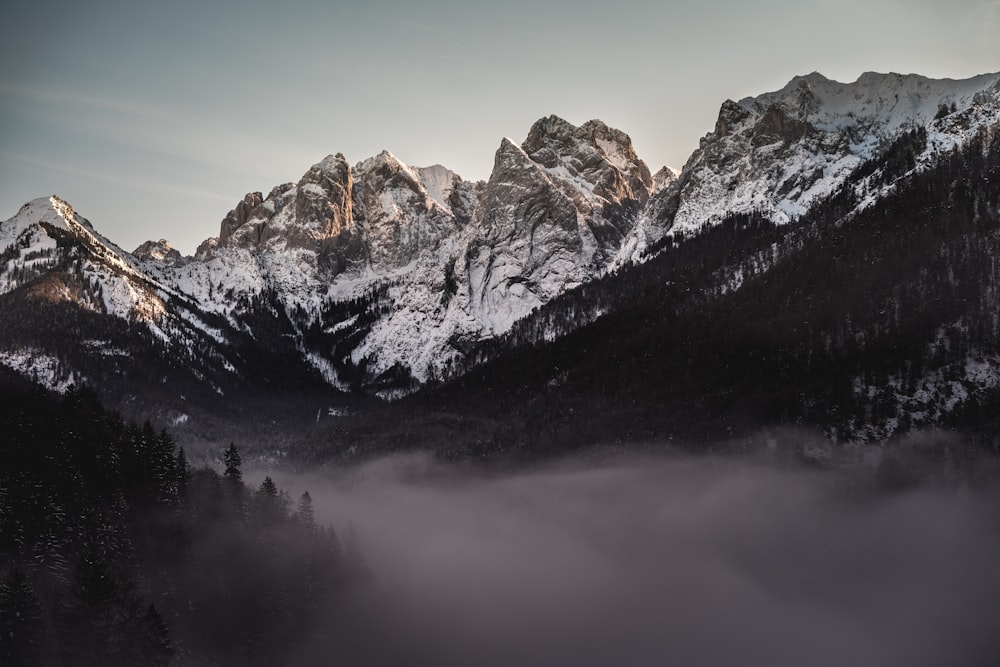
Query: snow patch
<point x="41" y="368"/>
<point x="439" y="183"/>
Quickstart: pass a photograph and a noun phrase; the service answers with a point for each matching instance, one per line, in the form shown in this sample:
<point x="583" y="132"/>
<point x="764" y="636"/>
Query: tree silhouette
<point x="22" y="627"/>
<point x="304" y="512"/>
<point x="233" y="462"/>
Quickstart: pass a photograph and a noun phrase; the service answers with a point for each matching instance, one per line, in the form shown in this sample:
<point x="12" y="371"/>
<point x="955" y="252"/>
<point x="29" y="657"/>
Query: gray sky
<point x="154" y="118"/>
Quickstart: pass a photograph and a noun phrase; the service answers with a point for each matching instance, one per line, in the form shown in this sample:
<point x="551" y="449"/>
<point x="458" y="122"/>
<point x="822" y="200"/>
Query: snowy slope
<point x="781" y="152"/>
<point x="452" y="261"/>
<point x="30" y="246"/>
<point x="51" y="257"/>
<point x="381" y="275"/>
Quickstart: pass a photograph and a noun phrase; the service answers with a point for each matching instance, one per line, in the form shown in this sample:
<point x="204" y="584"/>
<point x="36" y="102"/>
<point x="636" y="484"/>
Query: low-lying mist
<point x="658" y="561"/>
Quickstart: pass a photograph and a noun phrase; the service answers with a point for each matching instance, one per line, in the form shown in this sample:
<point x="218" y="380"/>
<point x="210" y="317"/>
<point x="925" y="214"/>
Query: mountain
<point x="856" y="324"/>
<point x="777" y="156"/>
<point x="381" y="278"/>
<point x="781" y="152"/>
<point x="387" y="272"/>
<point x="79" y="310"/>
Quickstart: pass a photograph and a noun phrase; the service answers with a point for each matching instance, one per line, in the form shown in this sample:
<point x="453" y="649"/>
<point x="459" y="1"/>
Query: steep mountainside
<point x="79" y="310"/>
<point x="781" y="152"/>
<point x="390" y="272"/>
<point x="382" y="277"/>
<point x="866" y="323"/>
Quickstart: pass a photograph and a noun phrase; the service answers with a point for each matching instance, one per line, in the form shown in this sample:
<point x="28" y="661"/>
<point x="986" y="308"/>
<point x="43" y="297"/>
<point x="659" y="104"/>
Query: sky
<point x="154" y="118"/>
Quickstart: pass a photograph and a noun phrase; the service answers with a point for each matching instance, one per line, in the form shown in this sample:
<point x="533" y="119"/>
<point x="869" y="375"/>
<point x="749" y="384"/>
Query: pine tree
<point x="156" y="647"/>
<point x="233" y="463"/>
<point x="22" y="628"/>
<point x="163" y="467"/>
<point x="91" y="619"/>
<point x="183" y="473"/>
<point x="271" y="504"/>
<point x="305" y="514"/>
<point x="268" y="488"/>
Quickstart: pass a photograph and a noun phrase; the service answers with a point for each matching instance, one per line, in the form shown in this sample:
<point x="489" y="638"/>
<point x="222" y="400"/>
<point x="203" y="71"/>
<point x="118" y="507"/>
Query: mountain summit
<point x="780" y="152"/>
<point x="381" y="276"/>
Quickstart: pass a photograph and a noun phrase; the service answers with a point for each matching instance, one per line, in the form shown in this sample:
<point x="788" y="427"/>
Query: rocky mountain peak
<point x="549" y="131"/>
<point x="402" y="219"/>
<point x="510" y="159"/>
<point x="42" y="209"/>
<point x="47" y="236"/>
<point x="406" y="267"/>
<point x="664" y="177"/>
<point x="385" y="170"/>
<point x="613" y="144"/>
<point x="240" y="215"/>
<point x="330" y="178"/>
<point x="808" y="79"/>
<point x="780" y="152"/>
<point x="331" y="169"/>
<point x="161" y="252"/>
<point x="731" y="114"/>
<point x="324" y="195"/>
<point x="293" y="215"/>
<point x="552" y="139"/>
<point x="439" y="182"/>
<point x="600" y="158"/>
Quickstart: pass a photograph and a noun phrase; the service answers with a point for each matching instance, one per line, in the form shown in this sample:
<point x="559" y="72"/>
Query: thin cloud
<point x="112" y="178"/>
<point x="60" y="96"/>
<point x="182" y="135"/>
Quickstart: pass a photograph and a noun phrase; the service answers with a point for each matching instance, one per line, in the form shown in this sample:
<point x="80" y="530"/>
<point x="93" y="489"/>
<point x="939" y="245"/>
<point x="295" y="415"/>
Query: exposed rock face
<point x="160" y="251"/>
<point x="554" y="215"/>
<point x="780" y="152"/>
<point x="527" y="243"/>
<point x="777" y="126"/>
<point x="400" y="217"/>
<point x="730" y="115"/>
<point x="323" y="199"/>
<point x="663" y="178"/>
<point x="464" y="260"/>
<point x="386" y="270"/>
<point x="240" y="215"/>
<point x="300" y="215"/>
<point x="600" y="156"/>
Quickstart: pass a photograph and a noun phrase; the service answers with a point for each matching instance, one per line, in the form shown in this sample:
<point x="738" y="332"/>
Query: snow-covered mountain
<point x="382" y="276"/>
<point x="439" y="263"/>
<point x="49" y="249"/>
<point x="77" y="308"/>
<point x="781" y="152"/>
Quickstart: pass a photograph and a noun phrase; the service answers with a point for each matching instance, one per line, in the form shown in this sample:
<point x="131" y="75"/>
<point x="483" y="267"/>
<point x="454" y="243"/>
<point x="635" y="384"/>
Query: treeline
<point x="341" y="326"/>
<point x="113" y="551"/>
<point x="861" y="321"/>
<point x="684" y="270"/>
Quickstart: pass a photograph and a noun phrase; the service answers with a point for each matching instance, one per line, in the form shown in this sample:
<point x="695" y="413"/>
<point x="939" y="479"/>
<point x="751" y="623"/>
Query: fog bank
<point x="659" y="561"/>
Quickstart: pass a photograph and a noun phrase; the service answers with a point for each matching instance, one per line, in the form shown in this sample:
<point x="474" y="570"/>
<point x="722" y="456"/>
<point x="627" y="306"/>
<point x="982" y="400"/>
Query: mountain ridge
<point x="383" y="277"/>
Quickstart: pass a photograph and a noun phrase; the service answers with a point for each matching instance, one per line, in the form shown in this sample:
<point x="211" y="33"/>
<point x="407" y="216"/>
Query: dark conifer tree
<point x="83" y="522"/>
<point x="97" y="623"/>
<point x="182" y="472"/>
<point x="156" y="645"/>
<point x="305" y="514"/>
<point x="270" y="504"/>
<point x="22" y="627"/>
<point x="163" y="466"/>
<point x="268" y="488"/>
<point x="233" y="462"/>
